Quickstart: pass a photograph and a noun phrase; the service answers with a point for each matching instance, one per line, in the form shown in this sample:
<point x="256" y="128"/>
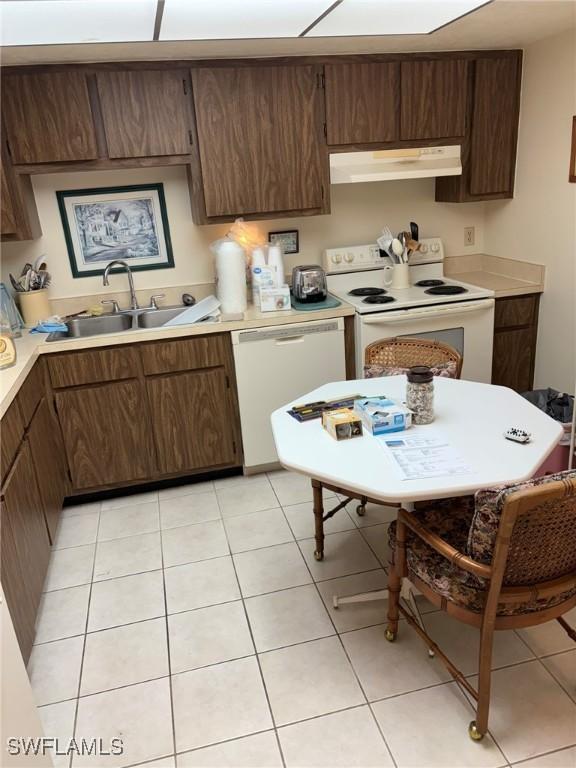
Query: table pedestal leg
<point x="318" y="519"/>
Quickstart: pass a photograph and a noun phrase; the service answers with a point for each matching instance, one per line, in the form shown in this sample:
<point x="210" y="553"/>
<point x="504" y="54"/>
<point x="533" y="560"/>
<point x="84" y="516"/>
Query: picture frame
<point x="107" y="223"/>
<point x="572" y="172"/>
<point x="288" y="239"/>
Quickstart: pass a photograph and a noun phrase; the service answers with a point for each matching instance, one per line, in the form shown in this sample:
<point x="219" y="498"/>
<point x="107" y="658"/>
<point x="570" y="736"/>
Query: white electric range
<point x="433" y="307"/>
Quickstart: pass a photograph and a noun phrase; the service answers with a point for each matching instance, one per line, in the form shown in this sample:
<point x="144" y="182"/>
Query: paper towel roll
<point x="231" y="277"/>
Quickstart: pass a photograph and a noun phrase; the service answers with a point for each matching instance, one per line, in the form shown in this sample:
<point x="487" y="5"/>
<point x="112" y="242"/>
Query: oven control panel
<point x="355" y="257"/>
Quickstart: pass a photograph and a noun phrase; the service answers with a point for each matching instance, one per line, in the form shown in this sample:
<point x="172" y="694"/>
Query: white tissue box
<point x="275" y="299"/>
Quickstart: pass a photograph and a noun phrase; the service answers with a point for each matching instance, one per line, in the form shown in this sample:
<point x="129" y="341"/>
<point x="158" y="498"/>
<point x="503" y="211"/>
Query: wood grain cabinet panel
<point x="515" y="336"/>
<point x="106" y="432"/>
<point x="433" y="98"/>
<point x="259" y="133"/>
<point x="362" y="102"/>
<point x="11" y="434"/>
<point x="8" y="225"/>
<point x="185" y="354"/>
<point x="32" y="391"/>
<point x="50" y="464"/>
<point x="93" y="366"/>
<point x="25" y="547"/>
<point x="193" y="425"/>
<point x="48" y="117"/>
<point x="494" y="126"/>
<point x="18" y="212"/>
<point x="145" y="112"/>
<point x="515" y="311"/>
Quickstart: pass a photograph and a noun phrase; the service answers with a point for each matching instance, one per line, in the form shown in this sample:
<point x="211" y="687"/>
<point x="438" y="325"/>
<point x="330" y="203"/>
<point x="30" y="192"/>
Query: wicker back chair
<point x="503" y="559"/>
<point x="404" y="352"/>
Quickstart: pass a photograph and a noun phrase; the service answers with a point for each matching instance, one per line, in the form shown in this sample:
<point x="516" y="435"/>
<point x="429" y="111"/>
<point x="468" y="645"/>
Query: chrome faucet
<point x="119" y="262"/>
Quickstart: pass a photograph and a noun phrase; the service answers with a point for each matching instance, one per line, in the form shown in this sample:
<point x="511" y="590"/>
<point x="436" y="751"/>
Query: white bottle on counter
<point x="231" y="277"/>
<point x="276" y="261"/>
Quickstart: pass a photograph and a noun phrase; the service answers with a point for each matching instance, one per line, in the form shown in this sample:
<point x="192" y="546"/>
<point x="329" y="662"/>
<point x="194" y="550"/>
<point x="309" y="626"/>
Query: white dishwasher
<point x="277" y="364"/>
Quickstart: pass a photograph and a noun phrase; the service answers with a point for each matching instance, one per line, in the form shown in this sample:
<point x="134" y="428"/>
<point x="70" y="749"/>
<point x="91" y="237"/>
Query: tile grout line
<point x="366" y="702"/>
<point x="75" y="725"/>
<point x="172" y="716"/>
<point x="254" y="643"/>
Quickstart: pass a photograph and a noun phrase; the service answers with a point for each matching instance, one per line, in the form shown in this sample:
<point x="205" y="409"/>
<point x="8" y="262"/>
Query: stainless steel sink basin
<point x="154" y="318"/>
<point x="91" y="326"/>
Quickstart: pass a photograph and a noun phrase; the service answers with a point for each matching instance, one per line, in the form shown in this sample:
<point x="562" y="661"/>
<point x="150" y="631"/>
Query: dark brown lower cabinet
<point x="106" y="433"/>
<point x="25" y="547"/>
<point x="192" y="420"/>
<point x="50" y="463"/>
<point x="515" y="335"/>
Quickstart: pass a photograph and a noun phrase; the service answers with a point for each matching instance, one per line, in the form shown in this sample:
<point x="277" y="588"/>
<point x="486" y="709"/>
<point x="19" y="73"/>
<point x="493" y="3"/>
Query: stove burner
<point x="429" y="283"/>
<point x="378" y="299"/>
<point x="446" y="290"/>
<point x="366" y="292"/>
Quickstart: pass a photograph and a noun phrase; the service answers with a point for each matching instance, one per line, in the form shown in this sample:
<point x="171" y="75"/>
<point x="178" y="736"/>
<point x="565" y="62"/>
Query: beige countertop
<point x="506" y="277"/>
<point x="31" y="345"/>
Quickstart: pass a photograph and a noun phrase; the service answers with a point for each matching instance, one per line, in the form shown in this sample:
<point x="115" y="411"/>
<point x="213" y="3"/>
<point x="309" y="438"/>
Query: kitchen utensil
<point x="15" y="283"/>
<point x="414" y="230"/>
<point x="309" y="283"/>
<point x="385" y="245"/>
<point x="398" y="249"/>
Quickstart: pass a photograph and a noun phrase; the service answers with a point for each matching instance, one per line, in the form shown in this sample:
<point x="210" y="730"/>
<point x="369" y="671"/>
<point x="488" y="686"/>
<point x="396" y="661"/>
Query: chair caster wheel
<point x="318" y="555"/>
<point x="361" y="510"/>
<point x="474" y="733"/>
<point x="389" y="635"/>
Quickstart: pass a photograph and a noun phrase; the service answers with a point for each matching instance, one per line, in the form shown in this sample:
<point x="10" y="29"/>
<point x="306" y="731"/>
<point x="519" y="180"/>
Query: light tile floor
<point x="195" y="624"/>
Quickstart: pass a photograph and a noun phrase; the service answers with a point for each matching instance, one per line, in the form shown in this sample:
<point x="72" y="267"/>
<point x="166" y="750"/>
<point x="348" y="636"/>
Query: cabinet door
<point x="259" y="134"/>
<point x="145" y="113"/>
<point x="513" y="358"/>
<point x="8" y="217"/>
<point x="51" y="471"/>
<point x="25" y="548"/>
<point x="494" y="126"/>
<point x="362" y="102"/>
<point x="106" y="434"/>
<point x="48" y="117"/>
<point x="433" y="96"/>
<point x="19" y="216"/>
<point x="192" y="420"/>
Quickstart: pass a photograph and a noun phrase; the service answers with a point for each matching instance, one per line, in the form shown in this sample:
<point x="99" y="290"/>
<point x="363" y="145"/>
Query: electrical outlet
<point x="468" y="235"/>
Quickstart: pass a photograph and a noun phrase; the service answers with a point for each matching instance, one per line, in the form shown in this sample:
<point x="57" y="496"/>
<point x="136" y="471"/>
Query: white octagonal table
<point x="471" y="416"/>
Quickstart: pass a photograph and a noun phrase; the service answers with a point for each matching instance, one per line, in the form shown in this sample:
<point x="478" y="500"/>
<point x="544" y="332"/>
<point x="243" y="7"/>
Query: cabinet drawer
<point x="514" y="312"/>
<point x="12" y="430"/>
<point x="185" y="354"/>
<point x="74" y="369"/>
<point x="31" y="392"/>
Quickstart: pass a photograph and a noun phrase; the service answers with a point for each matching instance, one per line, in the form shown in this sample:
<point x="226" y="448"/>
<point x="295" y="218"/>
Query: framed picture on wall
<point x="128" y="223"/>
<point x="287" y="239"/>
<point x="572" y="175"/>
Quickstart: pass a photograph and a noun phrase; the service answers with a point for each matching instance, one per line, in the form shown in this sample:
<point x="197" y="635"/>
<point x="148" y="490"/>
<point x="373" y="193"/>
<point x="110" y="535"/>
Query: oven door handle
<point x="390" y="318"/>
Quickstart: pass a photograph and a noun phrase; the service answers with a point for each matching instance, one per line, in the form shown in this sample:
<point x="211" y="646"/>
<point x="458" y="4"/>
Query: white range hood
<point x="390" y="164"/>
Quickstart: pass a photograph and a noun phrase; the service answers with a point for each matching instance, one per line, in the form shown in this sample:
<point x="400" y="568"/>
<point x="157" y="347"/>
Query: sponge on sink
<point x="96" y="310"/>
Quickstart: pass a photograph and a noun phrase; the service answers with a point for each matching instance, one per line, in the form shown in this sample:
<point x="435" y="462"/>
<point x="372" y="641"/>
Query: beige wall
<point x="358" y="213"/>
<point x="539" y="224"/>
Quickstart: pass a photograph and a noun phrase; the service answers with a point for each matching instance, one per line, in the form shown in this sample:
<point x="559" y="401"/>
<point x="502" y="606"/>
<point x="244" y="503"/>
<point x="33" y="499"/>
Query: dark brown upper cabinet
<point x="18" y="213"/>
<point x="489" y="151"/>
<point x="260" y="132"/>
<point x="145" y="112"/>
<point x="494" y="126"/>
<point x="362" y="103"/>
<point x="433" y="96"/>
<point x="48" y="117"/>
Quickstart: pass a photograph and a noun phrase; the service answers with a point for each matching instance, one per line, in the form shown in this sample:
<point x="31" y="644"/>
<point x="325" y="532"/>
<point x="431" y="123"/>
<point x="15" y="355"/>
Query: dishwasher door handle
<point x="289" y="340"/>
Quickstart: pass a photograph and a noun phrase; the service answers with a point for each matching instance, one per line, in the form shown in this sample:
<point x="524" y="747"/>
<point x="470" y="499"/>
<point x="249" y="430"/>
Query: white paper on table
<point x="196" y="312"/>
<point x="423" y="454"/>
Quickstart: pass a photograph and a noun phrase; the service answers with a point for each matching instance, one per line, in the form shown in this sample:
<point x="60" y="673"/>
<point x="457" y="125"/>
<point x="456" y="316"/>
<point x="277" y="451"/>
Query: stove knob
<point x="423" y="248"/>
<point x="349" y="257"/>
<point x="434" y="247"/>
<point x="336" y="258"/>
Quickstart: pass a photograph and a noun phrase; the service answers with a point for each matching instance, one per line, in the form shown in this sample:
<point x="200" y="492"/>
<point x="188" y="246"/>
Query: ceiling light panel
<point x="391" y="17"/>
<point x="236" y="19"/>
<point x="53" y="22"/>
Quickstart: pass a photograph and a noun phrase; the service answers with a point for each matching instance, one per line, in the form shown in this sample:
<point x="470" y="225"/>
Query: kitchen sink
<point x="91" y="326"/>
<point x="154" y="318"/>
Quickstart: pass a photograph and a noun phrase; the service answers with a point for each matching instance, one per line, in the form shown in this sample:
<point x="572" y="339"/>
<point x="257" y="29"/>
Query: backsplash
<point x="358" y="213"/>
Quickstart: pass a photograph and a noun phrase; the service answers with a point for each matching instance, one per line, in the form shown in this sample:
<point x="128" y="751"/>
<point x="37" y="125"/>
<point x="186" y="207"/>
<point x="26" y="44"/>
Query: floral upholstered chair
<point x="391" y="357"/>
<point x="502" y="559"/>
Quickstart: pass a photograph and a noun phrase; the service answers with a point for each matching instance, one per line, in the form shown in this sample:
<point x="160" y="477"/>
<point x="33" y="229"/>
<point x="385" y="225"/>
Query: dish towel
<point x="50" y="325"/>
